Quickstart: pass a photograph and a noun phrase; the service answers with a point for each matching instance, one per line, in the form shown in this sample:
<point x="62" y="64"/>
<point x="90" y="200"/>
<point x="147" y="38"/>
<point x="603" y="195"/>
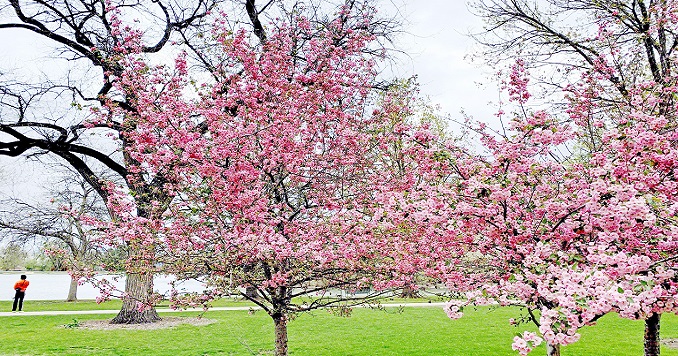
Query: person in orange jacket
<point x="20" y="288"/>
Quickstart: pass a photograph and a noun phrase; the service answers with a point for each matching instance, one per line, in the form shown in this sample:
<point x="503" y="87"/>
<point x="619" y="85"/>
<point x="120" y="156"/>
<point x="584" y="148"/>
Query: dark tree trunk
<point x="251" y="292"/>
<point x="652" y="335"/>
<point x="552" y="350"/>
<point x="73" y="290"/>
<point x="280" y="321"/>
<point x="409" y="292"/>
<point x="138" y="287"/>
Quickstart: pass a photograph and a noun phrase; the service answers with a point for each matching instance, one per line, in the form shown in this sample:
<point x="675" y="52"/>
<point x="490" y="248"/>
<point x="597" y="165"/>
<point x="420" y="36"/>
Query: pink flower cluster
<point x="526" y="342"/>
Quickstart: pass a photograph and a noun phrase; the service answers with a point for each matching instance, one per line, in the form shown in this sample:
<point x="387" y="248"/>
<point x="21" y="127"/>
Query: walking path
<point x="167" y="310"/>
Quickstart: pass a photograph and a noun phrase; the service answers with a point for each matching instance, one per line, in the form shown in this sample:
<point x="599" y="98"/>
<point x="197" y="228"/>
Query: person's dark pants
<point x="18" y="298"/>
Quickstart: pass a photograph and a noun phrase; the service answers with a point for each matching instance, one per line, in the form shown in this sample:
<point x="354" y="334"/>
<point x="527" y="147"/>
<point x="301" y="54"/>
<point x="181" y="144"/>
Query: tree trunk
<point x="280" y="321"/>
<point x="251" y="292"/>
<point x="652" y="335"/>
<point x="552" y="350"/>
<point x="73" y="290"/>
<point x="409" y="292"/>
<point x="138" y="288"/>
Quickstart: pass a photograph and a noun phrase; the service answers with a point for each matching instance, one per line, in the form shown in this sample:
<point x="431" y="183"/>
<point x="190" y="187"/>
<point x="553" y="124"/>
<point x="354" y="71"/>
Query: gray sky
<point x="440" y="53"/>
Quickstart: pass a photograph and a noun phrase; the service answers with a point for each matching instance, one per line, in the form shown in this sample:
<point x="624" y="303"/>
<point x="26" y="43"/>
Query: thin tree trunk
<point x="138" y="287"/>
<point x="280" y="321"/>
<point x="73" y="290"/>
<point x="552" y="350"/>
<point x="652" y="335"/>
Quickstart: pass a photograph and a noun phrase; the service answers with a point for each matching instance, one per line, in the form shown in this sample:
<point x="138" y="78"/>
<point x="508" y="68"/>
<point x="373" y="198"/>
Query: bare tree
<point x="58" y="225"/>
<point x="621" y="42"/>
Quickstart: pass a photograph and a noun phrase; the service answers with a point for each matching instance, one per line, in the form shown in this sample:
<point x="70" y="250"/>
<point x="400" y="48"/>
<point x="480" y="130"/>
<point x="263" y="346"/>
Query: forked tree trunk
<point x="280" y="322"/>
<point x="552" y="350"/>
<point x="138" y="287"/>
<point x="652" y="335"/>
<point x="73" y="290"/>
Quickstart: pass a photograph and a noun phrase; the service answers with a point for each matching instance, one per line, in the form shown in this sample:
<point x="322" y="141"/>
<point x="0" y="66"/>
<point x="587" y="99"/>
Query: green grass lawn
<point x="414" y="331"/>
<point x="46" y="305"/>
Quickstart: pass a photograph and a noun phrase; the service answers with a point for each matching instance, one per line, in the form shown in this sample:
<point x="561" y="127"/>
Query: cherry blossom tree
<point x="277" y="167"/>
<point x="558" y="230"/>
<point x="49" y="116"/>
<point x="635" y="168"/>
<point x="614" y="60"/>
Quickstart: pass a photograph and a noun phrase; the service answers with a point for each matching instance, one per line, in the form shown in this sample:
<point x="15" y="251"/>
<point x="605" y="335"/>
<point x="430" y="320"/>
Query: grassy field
<point x="48" y="305"/>
<point x="414" y="331"/>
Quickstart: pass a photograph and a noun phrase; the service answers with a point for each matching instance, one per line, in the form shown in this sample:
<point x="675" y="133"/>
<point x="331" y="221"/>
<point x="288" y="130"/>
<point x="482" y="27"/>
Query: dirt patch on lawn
<point x="671" y="343"/>
<point x="165" y="323"/>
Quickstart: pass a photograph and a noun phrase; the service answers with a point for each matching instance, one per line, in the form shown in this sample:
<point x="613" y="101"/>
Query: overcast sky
<point x="437" y="49"/>
<point x="440" y="53"/>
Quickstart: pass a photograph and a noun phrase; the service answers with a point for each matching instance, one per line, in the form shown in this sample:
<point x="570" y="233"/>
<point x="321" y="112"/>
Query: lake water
<point x="54" y="285"/>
